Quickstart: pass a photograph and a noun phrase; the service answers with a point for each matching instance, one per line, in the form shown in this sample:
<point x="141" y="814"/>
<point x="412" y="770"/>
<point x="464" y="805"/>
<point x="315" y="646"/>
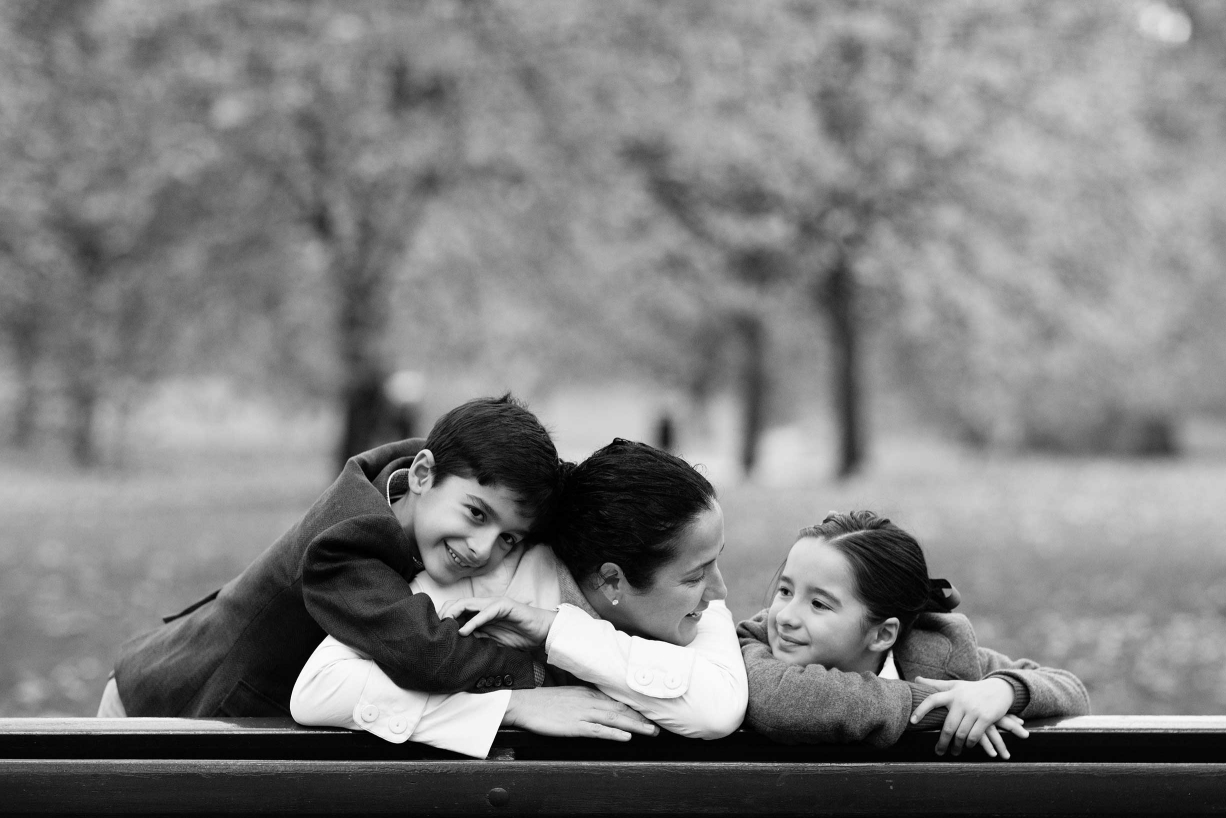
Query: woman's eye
<point x="509" y="539"/>
<point x="477" y="514"/>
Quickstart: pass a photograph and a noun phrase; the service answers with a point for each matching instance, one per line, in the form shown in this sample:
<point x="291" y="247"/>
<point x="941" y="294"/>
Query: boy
<point x="481" y="485"/>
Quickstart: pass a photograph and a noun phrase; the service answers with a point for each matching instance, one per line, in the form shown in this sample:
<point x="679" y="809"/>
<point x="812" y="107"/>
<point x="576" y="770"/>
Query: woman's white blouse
<point x="699" y="690"/>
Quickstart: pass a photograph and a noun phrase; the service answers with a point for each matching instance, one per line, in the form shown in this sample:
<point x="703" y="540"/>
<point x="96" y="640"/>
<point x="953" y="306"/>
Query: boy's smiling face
<point x="462" y="528"/>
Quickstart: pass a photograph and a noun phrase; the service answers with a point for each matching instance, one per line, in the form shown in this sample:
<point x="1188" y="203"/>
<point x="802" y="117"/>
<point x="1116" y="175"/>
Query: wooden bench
<point x="1098" y="765"/>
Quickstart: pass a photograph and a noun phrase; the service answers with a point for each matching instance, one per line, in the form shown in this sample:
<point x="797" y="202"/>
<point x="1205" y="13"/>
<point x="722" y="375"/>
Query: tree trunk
<point x="840" y="306"/>
<point x="25" y="416"/>
<point x="82" y="408"/>
<point x="361" y="326"/>
<point x="364" y="411"/>
<point x="753" y="387"/>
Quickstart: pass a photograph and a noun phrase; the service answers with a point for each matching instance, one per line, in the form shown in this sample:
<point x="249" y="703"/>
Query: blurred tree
<point x="97" y="179"/>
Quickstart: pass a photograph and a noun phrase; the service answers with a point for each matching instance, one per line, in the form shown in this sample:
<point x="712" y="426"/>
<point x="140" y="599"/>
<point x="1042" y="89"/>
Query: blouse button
<point x="672" y="681"/>
<point x="370" y="713"/>
<point x="398" y="725"/>
<point x="644" y="676"/>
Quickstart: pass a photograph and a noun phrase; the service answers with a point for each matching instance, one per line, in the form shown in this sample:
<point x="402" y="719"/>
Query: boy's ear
<point x="421" y="472"/>
<point x="882" y="637"/>
<point x="609" y="576"/>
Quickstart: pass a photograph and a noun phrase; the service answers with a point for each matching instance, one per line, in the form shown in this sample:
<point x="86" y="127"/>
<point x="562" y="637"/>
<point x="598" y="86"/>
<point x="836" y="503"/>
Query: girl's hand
<point x="512" y="623"/>
<point x="975" y="708"/>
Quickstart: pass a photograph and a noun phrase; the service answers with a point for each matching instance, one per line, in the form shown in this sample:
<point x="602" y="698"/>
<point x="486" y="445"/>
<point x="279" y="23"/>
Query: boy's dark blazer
<point x="343" y="569"/>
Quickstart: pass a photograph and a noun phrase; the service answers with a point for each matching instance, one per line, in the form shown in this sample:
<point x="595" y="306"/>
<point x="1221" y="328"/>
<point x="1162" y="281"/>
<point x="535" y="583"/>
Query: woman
<point x="630" y="600"/>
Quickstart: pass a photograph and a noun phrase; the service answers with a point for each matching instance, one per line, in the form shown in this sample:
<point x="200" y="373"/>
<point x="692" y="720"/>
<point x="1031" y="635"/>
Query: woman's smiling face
<point x="816" y="616"/>
<point x="669" y="610"/>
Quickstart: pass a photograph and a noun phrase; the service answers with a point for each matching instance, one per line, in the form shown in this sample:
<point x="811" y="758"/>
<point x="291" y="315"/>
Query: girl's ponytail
<point x="942" y="596"/>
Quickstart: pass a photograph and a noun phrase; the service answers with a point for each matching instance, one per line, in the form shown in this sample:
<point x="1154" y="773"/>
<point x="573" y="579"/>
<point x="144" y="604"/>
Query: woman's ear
<point x="609" y="582"/>
<point x="421" y="472"/>
<point x="883" y="636"/>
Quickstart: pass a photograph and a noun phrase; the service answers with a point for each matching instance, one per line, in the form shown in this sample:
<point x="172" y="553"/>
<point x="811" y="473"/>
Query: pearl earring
<point x="616" y="601"/>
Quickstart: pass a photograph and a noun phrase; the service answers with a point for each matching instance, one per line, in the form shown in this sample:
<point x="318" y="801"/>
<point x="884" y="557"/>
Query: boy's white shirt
<point x="699" y="690"/>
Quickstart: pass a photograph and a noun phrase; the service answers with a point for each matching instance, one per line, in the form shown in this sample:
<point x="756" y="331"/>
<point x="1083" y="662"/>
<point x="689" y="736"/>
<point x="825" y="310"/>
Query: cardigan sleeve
<point x="355" y="584"/>
<point x="812" y="704"/>
<point x="1049" y="691"/>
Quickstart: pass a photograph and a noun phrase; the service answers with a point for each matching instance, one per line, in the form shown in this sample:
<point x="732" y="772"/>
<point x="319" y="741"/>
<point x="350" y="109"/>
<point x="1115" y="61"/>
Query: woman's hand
<point x="575" y="711"/>
<point x="978" y="711"/>
<point x="512" y="623"/>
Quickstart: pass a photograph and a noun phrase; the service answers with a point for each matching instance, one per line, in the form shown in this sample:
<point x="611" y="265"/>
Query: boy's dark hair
<point x="497" y="441"/>
<point x="887" y="565"/>
<point x="627" y="503"/>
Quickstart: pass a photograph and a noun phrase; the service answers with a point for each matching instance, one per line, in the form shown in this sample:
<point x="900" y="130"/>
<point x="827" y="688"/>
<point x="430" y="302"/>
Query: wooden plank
<point x="440" y="788"/>
<point x="1118" y="739"/>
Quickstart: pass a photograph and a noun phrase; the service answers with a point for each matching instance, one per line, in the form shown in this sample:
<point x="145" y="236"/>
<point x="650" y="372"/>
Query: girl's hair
<point x="887" y="565"/>
<point x="627" y="503"/>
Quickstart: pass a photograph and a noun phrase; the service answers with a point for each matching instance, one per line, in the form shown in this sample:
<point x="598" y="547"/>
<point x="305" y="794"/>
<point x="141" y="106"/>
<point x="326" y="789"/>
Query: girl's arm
<point x="812" y="704"/>
<point x="1044" y="691"/>
<point x="699" y="690"/>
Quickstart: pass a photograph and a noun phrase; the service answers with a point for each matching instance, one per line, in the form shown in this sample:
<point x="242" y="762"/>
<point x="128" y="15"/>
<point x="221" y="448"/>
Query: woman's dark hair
<point x="887" y="565"/>
<point x="627" y="504"/>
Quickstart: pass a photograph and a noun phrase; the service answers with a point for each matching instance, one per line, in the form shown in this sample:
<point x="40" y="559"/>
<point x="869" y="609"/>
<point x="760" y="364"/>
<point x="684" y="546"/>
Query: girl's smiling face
<point x="816" y="616"/>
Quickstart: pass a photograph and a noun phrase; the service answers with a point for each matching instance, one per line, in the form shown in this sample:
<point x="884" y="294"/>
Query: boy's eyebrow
<point x="489" y="512"/>
<point x="485" y="507"/>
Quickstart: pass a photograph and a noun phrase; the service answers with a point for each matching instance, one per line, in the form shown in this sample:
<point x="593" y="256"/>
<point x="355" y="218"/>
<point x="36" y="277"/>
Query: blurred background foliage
<point x="961" y="260"/>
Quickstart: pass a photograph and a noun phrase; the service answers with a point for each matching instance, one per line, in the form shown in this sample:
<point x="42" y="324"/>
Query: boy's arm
<point x="354" y="584"/>
<point x="812" y="704"/>
<point x="1039" y="691"/>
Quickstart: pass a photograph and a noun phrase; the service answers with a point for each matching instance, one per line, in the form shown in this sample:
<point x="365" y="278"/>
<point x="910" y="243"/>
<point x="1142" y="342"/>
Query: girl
<point x="858" y="645"/>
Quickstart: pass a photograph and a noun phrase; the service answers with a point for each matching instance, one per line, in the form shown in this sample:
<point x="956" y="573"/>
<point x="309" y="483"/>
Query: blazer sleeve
<point x="1051" y="691"/>
<point x="355" y="583"/>
<point x="811" y="704"/>
<point x="697" y="690"/>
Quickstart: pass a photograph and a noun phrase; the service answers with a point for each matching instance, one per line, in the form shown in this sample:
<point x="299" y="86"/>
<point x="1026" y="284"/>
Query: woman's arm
<point x="699" y="690"/>
<point x="340" y="687"/>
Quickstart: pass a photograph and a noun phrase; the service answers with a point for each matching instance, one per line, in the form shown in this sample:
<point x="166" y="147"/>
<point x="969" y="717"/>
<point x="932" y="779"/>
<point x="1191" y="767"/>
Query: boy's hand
<point x="575" y="711"/>
<point x="512" y="623"/>
<point x="975" y="709"/>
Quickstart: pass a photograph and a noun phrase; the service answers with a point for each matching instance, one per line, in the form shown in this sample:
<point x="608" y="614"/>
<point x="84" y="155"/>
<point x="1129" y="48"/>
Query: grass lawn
<point x="1113" y="569"/>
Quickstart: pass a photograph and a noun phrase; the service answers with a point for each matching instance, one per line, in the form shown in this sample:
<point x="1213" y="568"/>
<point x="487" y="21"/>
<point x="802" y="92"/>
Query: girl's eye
<point x="819" y="605"/>
<point x="509" y="540"/>
<point x="783" y="592"/>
